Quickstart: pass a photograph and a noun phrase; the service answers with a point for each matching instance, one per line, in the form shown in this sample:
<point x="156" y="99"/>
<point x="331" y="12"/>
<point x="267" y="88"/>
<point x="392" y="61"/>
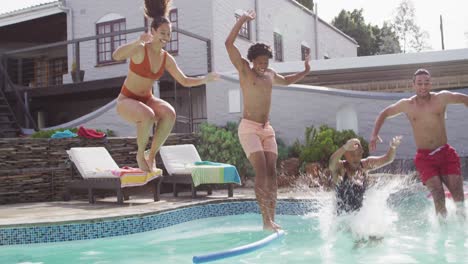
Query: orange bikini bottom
<point x="134" y="96"/>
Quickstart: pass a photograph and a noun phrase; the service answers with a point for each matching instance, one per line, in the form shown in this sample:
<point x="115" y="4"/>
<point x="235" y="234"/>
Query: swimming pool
<point x="409" y="229"/>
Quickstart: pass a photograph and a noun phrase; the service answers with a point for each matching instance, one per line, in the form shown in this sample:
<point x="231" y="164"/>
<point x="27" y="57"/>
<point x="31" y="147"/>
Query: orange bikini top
<point x="143" y="69"/>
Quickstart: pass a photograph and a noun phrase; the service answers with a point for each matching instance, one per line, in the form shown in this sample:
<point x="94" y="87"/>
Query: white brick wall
<point x="223" y="20"/>
<point x="332" y="44"/>
<point x="195" y="18"/>
<point x="295" y="25"/>
<point x="210" y="19"/>
<point x="85" y="15"/>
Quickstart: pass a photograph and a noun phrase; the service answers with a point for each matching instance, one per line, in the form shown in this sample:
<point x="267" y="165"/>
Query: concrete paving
<point x="80" y="210"/>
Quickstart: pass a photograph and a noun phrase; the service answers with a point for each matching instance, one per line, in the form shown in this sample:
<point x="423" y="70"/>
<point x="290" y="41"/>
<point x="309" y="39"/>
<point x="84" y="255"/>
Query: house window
<point x="41" y="72"/>
<point x="245" y="29"/>
<point x="173" y="46"/>
<point x="58" y="67"/>
<point x="278" y="42"/>
<point x="106" y="46"/>
<point x="304" y="52"/>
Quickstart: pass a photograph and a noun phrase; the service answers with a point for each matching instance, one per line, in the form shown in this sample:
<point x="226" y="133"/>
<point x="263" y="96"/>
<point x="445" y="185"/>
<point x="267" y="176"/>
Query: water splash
<point x="388" y="199"/>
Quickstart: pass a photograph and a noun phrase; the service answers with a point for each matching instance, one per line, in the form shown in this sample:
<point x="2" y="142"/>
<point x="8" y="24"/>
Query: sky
<point x="454" y="15"/>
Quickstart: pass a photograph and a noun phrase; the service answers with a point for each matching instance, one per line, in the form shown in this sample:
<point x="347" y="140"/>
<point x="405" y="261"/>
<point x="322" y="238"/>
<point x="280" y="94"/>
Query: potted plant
<point x="76" y="76"/>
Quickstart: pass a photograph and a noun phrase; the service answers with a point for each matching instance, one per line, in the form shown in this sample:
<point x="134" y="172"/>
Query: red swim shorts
<point x="437" y="162"/>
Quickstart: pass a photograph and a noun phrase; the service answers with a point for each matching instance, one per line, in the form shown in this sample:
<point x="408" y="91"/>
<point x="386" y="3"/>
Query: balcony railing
<point x="58" y="63"/>
<point x="46" y="65"/>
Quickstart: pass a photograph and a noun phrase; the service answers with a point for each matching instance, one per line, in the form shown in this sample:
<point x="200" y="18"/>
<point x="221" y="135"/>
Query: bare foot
<point x="142" y="164"/>
<point x="271" y="226"/>
<point x="150" y="162"/>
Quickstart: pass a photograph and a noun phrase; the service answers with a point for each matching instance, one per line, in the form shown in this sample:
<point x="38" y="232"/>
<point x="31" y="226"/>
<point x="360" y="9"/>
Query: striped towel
<point x="130" y="177"/>
<point x="214" y="172"/>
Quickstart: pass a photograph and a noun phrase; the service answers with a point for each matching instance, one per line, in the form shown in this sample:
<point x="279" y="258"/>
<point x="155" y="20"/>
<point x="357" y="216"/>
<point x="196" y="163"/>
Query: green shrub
<point x="283" y="150"/>
<point x="295" y="149"/>
<point x="221" y="144"/>
<point x="320" y="144"/>
<point x="49" y="133"/>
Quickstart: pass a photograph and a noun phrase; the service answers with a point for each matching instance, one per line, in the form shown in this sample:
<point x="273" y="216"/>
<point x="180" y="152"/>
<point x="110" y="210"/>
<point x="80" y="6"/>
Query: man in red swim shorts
<point x="436" y="161"/>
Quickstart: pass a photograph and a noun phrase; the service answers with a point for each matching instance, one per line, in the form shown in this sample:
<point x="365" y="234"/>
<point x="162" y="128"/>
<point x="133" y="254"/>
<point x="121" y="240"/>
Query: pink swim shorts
<point x="256" y="137"/>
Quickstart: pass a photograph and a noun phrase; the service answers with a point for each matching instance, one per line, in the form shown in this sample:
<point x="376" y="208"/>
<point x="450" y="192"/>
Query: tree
<point x="372" y="40"/>
<point x="307" y="3"/>
<point x="353" y="25"/>
<point x="406" y="28"/>
<point x="418" y="41"/>
<point x="388" y="40"/>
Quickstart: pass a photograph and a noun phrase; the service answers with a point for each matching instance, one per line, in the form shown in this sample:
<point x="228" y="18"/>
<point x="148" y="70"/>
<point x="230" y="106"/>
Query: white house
<point x="200" y="28"/>
<point x="285" y="24"/>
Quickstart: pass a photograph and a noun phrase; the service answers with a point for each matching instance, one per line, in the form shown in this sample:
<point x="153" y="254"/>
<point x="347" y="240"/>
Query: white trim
<point x="305" y="44"/>
<point x="109" y="17"/>
<point x="30" y="13"/>
<point x="374" y="61"/>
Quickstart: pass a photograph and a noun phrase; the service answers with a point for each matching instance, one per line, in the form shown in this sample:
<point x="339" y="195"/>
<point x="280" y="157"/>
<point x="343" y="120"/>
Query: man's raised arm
<point x="233" y="51"/>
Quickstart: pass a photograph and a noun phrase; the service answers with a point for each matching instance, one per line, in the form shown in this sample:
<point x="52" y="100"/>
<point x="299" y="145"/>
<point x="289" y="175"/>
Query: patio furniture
<point x="185" y="167"/>
<point x="99" y="172"/>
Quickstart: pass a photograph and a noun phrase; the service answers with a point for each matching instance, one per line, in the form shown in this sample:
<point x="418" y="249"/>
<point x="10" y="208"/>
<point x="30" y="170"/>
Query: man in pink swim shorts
<point x="255" y="132"/>
<point x="257" y="137"/>
<point x="436" y="161"/>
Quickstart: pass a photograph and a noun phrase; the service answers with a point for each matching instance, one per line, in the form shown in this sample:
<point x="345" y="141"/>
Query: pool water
<point x="404" y="223"/>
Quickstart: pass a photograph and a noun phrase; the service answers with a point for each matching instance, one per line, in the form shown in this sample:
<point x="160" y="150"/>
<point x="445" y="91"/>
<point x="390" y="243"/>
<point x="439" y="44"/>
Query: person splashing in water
<point x="350" y="175"/>
<point x="148" y="61"/>
<point x="437" y="162"/>
<point x="350" y="178"/>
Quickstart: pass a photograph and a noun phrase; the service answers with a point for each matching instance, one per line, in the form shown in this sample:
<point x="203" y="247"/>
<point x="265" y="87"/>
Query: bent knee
<point x="167" y="113"/>
<point x="138" y="115"/>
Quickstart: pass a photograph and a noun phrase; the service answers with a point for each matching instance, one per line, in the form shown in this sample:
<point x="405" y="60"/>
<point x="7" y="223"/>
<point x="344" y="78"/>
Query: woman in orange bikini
<point x="148" y="60"/>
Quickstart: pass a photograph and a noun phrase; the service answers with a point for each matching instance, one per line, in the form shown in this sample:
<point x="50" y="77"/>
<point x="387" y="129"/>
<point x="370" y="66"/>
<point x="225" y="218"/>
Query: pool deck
<point x="80" y="210"/>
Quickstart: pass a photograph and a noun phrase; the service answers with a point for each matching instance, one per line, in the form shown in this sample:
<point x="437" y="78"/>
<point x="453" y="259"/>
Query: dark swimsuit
<point x="349" y="195"/>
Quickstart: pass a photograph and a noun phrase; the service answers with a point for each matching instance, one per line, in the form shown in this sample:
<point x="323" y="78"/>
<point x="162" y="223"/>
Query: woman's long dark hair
<point x="158" y="11"/>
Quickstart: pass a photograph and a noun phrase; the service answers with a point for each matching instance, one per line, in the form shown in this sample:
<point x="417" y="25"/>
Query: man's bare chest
<point x="425" y="112"/>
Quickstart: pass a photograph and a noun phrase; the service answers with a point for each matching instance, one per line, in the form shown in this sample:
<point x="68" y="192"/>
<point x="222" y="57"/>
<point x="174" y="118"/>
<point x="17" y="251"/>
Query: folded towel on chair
<point x="214" y="172"/>
<point x="134" y="176"/>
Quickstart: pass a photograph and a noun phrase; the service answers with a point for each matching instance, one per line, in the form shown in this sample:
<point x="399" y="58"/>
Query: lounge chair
<point x="185" y="167"/>
<point x="100" y="172"/>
